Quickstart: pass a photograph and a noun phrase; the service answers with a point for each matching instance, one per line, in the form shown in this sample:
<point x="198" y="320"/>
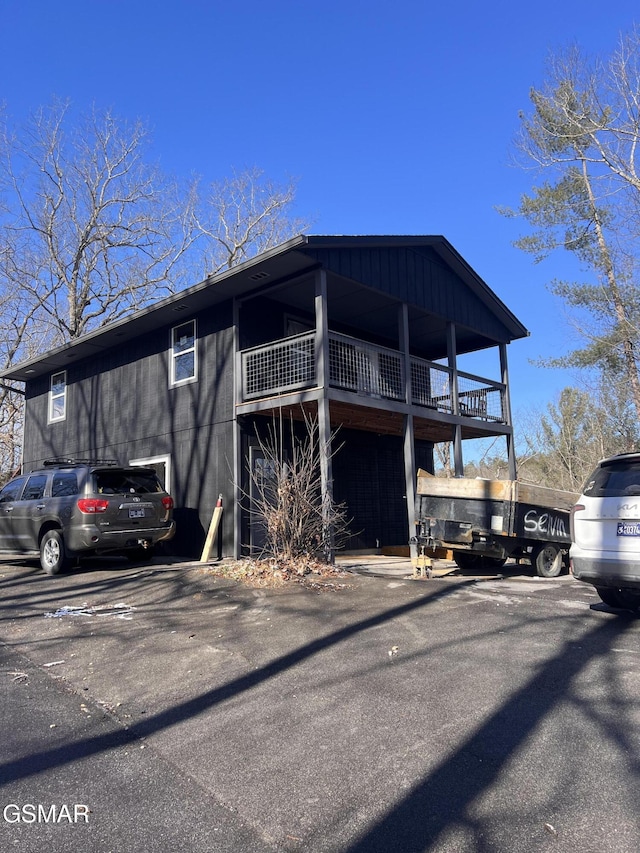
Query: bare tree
<point x="442" y="452"/>
<point x="242" y="216"/>
<point x="563" y="444"/>
<point x="91" y="231"/>
<point x="288" y="507"/>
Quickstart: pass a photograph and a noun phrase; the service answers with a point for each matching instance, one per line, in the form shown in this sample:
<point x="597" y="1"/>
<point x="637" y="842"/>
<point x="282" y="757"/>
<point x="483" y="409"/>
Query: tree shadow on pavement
<point x="39" y="762"/>
<point x="442" y="800"/>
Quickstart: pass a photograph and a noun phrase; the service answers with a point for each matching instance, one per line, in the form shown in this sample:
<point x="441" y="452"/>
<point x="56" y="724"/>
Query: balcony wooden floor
<point x="384" y="422"/>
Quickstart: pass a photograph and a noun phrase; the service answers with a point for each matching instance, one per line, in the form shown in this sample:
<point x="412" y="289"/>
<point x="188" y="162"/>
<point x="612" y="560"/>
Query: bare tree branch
<point x="90" y="231"/>
<point x="244" y="215"/>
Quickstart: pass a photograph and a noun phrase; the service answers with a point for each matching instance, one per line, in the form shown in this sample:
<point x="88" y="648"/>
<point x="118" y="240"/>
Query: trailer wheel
<point x="477" y="562"/>
<point x="493" y="562"/>
<point x="548" y="561"/>
<point x="466" y="561"/>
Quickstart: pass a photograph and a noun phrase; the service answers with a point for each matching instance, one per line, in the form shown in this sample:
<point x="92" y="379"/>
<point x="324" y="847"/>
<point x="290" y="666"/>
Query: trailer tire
<point x="466" y="561"/>
<point x="548" y="560"/>
<point x="493" y="562"/>
<point x="470" y="562"/>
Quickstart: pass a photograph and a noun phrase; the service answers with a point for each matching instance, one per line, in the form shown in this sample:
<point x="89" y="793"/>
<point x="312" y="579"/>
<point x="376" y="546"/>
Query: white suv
<point x="605" y="531"/>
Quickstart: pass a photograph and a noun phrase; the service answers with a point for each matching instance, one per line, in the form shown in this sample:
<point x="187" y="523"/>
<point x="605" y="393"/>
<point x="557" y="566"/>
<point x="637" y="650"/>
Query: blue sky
<point x="396" y="118"/>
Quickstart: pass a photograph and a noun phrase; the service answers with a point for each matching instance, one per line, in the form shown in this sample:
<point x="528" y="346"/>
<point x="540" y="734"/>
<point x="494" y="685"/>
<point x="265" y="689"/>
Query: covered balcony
<point x="369" y="375"/>
<point x="389" y="341"/>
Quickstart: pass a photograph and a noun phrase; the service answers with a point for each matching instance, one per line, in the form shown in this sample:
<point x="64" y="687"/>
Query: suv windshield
<point x="126" y="482"/>
<point x="614" y="480"/>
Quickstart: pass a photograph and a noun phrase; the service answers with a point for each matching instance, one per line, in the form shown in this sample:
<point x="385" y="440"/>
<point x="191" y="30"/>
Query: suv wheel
<point x="622" y="599"/>
<point x="53" y="558"/>
<point x="609" y="595"/>
<point x="630" y="600"/>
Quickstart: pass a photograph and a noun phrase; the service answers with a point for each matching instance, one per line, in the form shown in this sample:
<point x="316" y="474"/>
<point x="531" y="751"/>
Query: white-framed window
<point x="58" y="397"/>
<point x="183" y="366"/>
<point x="160" y="464"/>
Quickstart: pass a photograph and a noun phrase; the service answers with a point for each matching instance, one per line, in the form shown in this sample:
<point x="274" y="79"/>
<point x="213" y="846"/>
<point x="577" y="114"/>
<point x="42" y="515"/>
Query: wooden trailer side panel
<point x="457" y="518"/>
<point x="465" y="487"/>
<point x="541" y="523"/>
<point x="461" y="506"/>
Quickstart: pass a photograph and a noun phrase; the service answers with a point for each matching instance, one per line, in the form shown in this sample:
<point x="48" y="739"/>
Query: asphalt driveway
<point x="377" y="713"/>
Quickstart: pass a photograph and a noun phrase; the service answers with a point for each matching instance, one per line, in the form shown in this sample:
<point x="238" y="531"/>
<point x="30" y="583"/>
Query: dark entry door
<point x="262" y="476"/>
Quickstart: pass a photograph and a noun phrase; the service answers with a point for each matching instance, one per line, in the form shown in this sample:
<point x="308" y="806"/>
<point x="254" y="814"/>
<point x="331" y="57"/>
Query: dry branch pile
<point x="278" y="571"/>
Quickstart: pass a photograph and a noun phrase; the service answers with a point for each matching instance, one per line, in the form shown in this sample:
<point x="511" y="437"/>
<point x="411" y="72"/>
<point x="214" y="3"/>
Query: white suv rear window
<point x="614" y="481"/>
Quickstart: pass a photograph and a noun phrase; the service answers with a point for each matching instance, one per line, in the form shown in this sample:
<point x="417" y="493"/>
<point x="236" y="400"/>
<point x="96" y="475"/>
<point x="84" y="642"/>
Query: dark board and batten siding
<point x="418" y="276"/>
<point x="121" y="407"/>
<point x="368" y="472"/>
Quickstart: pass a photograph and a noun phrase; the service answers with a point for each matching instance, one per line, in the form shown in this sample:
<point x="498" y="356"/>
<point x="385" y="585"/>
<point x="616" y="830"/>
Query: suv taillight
<point x="92" y="505"/>
<point x="167" y="502"/>
<point x="574" y="510"/>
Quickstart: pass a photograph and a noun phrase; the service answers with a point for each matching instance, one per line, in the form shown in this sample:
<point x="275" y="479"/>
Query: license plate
<point x="136" y="513"/>
<point x="628" y="528"/>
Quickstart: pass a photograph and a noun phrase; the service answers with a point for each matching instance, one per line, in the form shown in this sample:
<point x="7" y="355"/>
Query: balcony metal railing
<point x="369" y="370"/>
<point x="481" y="398"/>
<point x="280" y="366"/>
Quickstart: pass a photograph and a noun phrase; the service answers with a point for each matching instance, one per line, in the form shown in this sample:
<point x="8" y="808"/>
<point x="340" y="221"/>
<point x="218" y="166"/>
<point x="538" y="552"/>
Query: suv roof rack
<point x="70" y="463"/>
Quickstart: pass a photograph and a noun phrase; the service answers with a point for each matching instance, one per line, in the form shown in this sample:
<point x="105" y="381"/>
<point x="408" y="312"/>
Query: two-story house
<point x="364" y="333"/>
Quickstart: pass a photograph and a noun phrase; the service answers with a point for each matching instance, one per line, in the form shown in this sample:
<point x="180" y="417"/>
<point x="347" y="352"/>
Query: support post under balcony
<point x="511" y="452"/>
<point x="324" y="421"/>
<point x="236" y="509"/>
<point x="453" y="368"/>
<point x="410" y="472"/>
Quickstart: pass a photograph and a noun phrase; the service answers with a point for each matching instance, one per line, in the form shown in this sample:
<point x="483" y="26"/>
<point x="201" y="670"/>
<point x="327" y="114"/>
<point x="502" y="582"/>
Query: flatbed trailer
<point x="483" y="522"/>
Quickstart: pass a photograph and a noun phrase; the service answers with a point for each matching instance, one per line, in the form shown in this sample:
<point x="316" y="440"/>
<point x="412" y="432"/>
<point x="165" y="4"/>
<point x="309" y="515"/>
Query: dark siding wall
<point x="202" y="470"/>
<point x="261" y="320"/>
<point x="368" y="475"/>
<point x="121" y="406"/>
<point x="417" y="276"/>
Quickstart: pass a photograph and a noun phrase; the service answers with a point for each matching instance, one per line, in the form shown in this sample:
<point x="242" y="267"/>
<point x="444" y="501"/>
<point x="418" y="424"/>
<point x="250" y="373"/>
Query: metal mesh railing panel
<point x="430" y="385"/>
<point x="478" y="399"/>
<point x="278" y="367"/>
<point x="369" y="370"/>
<point x="365" y="368"/>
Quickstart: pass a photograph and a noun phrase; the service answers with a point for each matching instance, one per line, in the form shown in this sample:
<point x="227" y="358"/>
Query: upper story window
<point x="58" y="397"/>
<point x="183" y="362"/>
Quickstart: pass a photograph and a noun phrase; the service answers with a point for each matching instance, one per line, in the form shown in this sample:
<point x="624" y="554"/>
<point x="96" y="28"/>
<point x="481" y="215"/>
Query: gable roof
<point x="421" y="267"/>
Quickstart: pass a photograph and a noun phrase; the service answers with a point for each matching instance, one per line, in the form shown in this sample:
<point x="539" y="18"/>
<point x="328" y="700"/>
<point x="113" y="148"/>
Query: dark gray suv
<point x="71" y="508"/>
